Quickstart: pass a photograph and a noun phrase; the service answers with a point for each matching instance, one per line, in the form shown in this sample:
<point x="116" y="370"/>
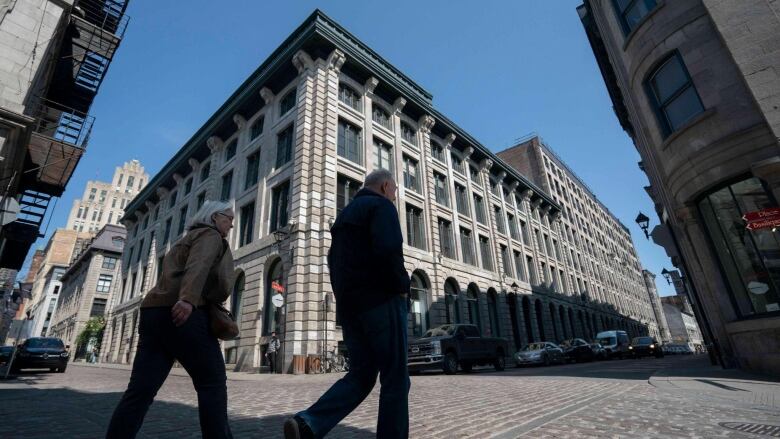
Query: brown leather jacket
<point x="198" y="268"/>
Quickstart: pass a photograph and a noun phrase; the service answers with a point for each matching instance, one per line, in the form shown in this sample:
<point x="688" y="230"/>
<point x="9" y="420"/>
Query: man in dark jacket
<point x="371" y="287"/>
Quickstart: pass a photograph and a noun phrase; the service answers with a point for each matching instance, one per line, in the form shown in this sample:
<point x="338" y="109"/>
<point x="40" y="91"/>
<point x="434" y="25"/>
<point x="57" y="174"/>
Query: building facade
<point x="683" y="328"/>
<point x="87" y="285"/>
<point x="663" y="334"/>
<point x="55" y="56"/>
<point x="104" y="202"/>
<point x="695" y="85"/>
<point x="292" y="146"/>
<point x="63" y="245"/>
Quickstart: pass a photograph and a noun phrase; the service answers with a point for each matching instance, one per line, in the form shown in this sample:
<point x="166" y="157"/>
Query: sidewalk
<point x="703" y="379"/>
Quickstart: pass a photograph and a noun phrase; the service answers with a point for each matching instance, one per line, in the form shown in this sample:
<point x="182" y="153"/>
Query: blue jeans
<point x="376" y="341"/>
<point x="159" y="344"/>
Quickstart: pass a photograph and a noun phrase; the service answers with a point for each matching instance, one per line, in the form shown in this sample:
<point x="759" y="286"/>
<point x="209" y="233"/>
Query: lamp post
<point x="644" y="222"/>
<point x="279" y="235"/>
<point x="667" y="275"/>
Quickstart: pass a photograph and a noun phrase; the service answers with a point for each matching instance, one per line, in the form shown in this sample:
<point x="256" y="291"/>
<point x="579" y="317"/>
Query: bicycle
<point x="333" y="362"/>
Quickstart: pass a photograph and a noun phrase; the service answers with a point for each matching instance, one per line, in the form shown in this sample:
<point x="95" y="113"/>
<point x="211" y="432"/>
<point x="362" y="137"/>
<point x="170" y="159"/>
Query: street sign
<point x="276" y="286"/>
<point x="763" y="214"/>
<point x="756" y="287"/>
<point x="763" y="224"/>
<point x="277" y="300"/>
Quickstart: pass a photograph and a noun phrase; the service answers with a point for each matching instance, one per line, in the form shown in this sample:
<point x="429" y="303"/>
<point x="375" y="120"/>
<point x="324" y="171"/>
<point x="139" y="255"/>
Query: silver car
<point x="540" y="353"/>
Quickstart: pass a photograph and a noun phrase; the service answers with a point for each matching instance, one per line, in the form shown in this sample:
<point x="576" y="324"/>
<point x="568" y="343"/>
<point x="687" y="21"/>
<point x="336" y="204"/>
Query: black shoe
<point x="297" y="428"/>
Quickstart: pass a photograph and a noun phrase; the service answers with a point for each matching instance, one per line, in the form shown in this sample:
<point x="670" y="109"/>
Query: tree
<point x="93" y="330"/>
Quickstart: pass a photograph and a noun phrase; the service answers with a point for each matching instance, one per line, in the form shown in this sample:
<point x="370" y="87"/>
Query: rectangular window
<point x="462" y="200"/>
<point x="673" y="95"/>
<point x="257" y="128"/>
<point x="494" y="187"/>
<point x="383" y="155"/>
<point x="529" y="262"/>
<point x="479" y="207"/>
<point x="188" y="186"/>
<point x="547" y="245"/>
<point x="230" y="149"/>
<point x="474" y="175"/>
<point x="457" y="163"/>
<point x="446" y="245"/>
<point x="133" y="284"/>
<point x="227" y="186"/>
<point x="104" y="283"/>
<point x="200" y="200"/>
<point x="167" y="234"/>
<point x="513" y="232"/>
<point x="441" y="189"/>
<point x="98" y="307"/>
<point x="467" y="246"/>
<point x="349" y="97"/>
<point x="506" y="262"/>
<point x="109" y="262"/>
<point x="279" y="206"/>
<point x="408" y="133"/>
<point x="381" y="117"/>
<point x="182" y="220"/>
<point x="500" y="224"/>
<point x="631" y="12"/>
<point x="411" y="181"/>
<point x="287" y="103"/>
<point x="346" y="188"/>
<point x="350" y="142"/>
<point x="486" y="253"/>
<point x="519" y="268"/>
<point x="246" y="224"/>
<point x="130" y="181"/>
<point x="252" y="169"/>
<point x="414" y="227"/>
<point x="284" y="145"/>
<point x="437" y="151"/>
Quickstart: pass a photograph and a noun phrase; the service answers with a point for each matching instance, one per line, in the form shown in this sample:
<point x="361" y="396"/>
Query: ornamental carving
<point x="501" y="176"/>
<point x="302" y="61"/>
<point x="193" y="163"/>
<point x="162" y="192"/>
<point x="426" y="123"/>
<point x="526" y="194"/>
<point x="336" y="60"/>
<point x="467" y="151"/>
<point x="399" y="105"/>
<point x="239" y="121"/>
<point x="448" y="140"/>
<point x="371" y="84"/>
<point x="178" y="178"/>
<point x="214" y="143"/>
<point x="486" y="165"/>
<point x="267" y="95"/>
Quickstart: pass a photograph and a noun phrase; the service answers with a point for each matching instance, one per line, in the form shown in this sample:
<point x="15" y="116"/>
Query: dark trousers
<point x="159" y="344"/>
<point x="376" y="341"/>
<point x="271" y="361"/>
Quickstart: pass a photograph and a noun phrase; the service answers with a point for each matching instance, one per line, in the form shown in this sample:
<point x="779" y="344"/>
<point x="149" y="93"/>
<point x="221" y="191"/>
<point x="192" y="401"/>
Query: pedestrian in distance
<point x="371" y="287"/>
<point x="273" y="349"/>
<point x="174" y="326"/>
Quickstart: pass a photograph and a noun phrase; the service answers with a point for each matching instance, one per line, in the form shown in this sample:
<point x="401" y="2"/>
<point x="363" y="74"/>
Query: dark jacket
<point x="366" y="257"/>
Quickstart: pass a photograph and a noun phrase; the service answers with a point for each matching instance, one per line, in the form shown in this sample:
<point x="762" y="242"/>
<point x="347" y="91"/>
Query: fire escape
<point x="59" y="135"/>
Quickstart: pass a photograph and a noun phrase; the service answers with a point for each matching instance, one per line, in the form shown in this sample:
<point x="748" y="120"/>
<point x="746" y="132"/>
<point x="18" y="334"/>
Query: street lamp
<point x="644" y="222"/>
<point x="667" y="275"/>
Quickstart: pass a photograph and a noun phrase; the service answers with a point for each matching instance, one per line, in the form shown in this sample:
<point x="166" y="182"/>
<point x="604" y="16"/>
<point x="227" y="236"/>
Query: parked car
<point x="545" y="353"/>
<point x="676" y="349"/>
<point x="599" y="353"/>
<point x="614" y="342"/>
<point x="448" y="346"/>
<point x="42" y="352"/>
<point x="645" y="346"/>
<point x="576" y="350"/>
<point x="5" y="354"/>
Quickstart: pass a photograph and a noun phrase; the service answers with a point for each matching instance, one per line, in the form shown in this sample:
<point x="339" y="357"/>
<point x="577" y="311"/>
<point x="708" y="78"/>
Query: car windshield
<point x="642" y="340"/>
<point x="45" y="343"/>
<point x="534" y="347"/>
<point x="607" y="341"/>
<point x="440" y="331"/>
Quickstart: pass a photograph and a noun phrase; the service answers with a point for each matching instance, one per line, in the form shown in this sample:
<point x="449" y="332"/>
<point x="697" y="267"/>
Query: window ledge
<point x="351" y="111"/>
<point x="382" y="129"/>
<point x="679" y="132"/>
<point x="642" y="22"/>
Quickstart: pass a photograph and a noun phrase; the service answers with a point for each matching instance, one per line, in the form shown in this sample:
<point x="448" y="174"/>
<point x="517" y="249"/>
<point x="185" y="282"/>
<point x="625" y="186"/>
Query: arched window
<point x="472" y="303"/>
<point x="452" y="308"/>
<point x="237" y="297"/>
<point x="492" y="303"/>
<point x="274" y="285"/>
<point x="418" y="314"/>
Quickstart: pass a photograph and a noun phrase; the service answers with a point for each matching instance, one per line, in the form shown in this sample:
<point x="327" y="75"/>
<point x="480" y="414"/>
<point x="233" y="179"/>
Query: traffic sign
<point x="277" y="300"/>
<point x="763" y="224"/>
<point x="763" y="214"/>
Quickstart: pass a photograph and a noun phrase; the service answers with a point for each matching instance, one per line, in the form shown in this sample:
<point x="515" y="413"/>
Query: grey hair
<point x="377" y="177"/>
<point x="204" y="214"/>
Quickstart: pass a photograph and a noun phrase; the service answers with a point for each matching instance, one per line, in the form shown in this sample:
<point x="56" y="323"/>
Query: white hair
<point x="377" y="177"/>
<point x="206" y="212"/>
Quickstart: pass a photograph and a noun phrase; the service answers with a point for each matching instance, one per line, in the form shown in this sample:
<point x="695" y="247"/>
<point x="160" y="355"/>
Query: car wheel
<point x="450" y="363"/>
<point x="466" y="366"/>
<point x="500" y="363"/>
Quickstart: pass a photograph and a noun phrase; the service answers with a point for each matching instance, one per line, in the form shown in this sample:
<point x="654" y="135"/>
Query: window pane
<point x="683" y="108"/>
<point x="669" y="78"/>
<point x="637" y="11"/>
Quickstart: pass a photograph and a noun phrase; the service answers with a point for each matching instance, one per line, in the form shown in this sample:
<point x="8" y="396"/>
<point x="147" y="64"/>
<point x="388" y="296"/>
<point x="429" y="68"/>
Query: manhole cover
<point x="760" y="429"/>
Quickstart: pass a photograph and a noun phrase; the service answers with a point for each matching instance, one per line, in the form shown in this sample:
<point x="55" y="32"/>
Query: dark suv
<point x="641" y="346"/>
<point x="40" y="353"/>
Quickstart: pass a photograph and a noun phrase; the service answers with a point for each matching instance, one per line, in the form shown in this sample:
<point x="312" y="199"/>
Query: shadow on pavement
<point x="32" y="413"/>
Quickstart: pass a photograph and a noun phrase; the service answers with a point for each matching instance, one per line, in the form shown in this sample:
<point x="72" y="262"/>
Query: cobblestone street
<point x="671" y="397"/>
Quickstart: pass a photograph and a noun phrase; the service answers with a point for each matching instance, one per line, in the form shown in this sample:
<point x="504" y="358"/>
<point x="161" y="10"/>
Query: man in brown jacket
<point x="198" y="269"/>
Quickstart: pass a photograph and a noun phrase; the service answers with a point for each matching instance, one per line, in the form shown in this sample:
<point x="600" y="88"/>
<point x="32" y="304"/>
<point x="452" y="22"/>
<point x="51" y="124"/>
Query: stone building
<point x="104" y="202"/>
<point x="599" y="259"/>
<point x="695" y="85"/>
<point x="291" y="147"/>
<point x="662" y="332"/>
<point x="87" y="285"/>
<point x="55" y="55"/>
<point x="683" y="328"/>
<point x="63" y="245"/>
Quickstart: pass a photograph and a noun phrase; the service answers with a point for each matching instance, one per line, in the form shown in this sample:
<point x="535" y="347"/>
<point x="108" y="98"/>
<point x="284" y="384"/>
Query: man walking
<point x="371" y="286"/>
<point x="273" y="348"/>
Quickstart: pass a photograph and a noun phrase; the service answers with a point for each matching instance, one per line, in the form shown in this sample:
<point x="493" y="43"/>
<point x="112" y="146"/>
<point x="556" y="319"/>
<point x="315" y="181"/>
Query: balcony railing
<point x="61" y="123"/>
<point x="106" y="15"/>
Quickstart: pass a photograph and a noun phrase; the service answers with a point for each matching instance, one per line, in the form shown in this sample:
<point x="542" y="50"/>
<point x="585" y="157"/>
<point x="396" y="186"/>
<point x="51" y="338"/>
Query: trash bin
<point x="313" y="363"/>
<point x="299" y="364"/>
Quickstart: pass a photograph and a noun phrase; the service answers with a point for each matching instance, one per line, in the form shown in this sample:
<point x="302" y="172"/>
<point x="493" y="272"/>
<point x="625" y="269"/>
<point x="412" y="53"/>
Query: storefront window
<point x="451" y="301"/>
<point x="418" y="314"/>
<point x="750" y="259"/>
<point x="272" y="314"/>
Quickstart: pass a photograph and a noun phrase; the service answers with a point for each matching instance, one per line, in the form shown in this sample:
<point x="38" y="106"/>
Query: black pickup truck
<point x="448" y="346"/>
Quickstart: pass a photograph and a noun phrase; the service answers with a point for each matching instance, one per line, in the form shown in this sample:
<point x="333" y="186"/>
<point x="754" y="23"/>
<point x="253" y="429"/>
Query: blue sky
<point x="499" y="69"/>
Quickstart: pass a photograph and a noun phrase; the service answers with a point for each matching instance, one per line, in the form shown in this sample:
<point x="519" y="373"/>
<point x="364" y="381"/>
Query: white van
<point x="614" y="342"/>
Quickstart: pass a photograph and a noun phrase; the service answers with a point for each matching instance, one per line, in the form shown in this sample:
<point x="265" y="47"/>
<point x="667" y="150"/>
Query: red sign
<point x="277" y="286"/>
<point x="764" y="224"/>
<point x="761" y="215"/>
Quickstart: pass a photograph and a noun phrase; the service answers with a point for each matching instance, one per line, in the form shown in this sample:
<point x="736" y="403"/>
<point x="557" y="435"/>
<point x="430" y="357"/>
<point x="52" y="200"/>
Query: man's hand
<point x="181" y="312"/>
